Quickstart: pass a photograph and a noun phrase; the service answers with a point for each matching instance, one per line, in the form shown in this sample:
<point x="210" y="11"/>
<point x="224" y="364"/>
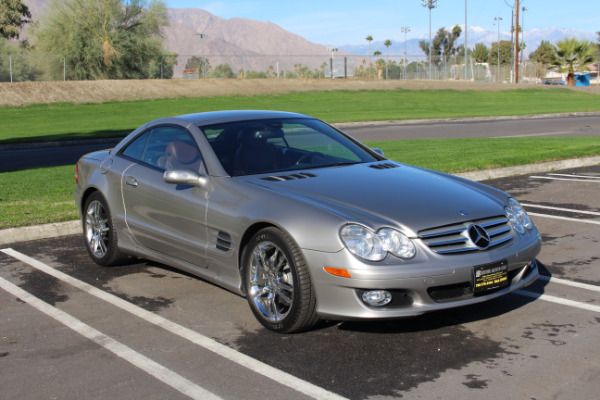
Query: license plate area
<point x="490" y="277"/>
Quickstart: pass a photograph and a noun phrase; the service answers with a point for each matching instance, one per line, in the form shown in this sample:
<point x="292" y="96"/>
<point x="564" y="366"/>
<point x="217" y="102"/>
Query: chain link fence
<point x="22" y="68"/>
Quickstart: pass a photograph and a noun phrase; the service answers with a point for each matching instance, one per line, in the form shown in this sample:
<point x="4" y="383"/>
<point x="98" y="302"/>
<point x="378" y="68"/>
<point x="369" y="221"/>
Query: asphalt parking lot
<point x="71" y="329"/>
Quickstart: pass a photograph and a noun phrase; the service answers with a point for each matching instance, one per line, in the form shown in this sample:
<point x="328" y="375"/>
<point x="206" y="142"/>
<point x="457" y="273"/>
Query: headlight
<point x="373" y="246"/>
<point x="517" y="216"/>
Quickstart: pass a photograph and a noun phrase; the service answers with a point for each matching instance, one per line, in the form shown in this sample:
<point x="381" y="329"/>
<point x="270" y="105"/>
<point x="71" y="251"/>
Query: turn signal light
<point x="338" y="272"/>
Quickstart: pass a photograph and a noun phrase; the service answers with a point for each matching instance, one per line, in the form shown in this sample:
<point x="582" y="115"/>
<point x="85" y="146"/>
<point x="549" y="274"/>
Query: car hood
<point x="388" y="194"/>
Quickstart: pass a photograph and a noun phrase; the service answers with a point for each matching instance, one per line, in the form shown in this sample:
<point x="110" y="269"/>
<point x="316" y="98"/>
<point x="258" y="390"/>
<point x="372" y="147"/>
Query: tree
<point x="545" y="54"/>
<point x="195" y="62"/>
<point x="481" y="53"/>
<point x="104" y="39"/>
<point x="13" y="15"/>
<point x="573" y="54"/>
<point x="387" y="44"/>
<point x="222" y="71"/>
<point x="17" y="69"/>
<point x="505" y="53"/>
<point x="369" y="39"/>
<point x="443" y="41"/>
<point x="380" y="65"/>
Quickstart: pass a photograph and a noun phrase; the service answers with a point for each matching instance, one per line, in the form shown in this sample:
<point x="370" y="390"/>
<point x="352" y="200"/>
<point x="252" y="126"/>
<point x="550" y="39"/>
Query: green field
<point x="64" y="121"/>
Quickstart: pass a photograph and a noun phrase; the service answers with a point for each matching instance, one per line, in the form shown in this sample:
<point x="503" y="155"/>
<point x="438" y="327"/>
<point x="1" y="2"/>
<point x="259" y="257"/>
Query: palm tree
<point x="387" y="44"/>
<point x="369" y="39"/>
<point x="572" y="54"/>
<point x="378" y="63"/>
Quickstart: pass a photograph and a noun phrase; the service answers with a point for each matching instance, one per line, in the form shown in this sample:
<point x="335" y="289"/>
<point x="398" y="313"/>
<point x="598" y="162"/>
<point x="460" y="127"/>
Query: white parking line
<point x="585" y="221"/>
<point x="558" y="300"/>
<point x="565" y="282"/>
<point x="144" y="363"/>
<point x="282" y="378"/>
<point x="560" y="209"/>
<point x="578" y="176"/>
<point x="559" y="179"/>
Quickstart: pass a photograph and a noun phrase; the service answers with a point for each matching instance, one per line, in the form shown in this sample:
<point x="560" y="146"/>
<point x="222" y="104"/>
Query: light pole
<point x="465" y="40"/>
<point x="405" y="30"/>
<point x="517" y="43"/>
<point x="523" y="31"/>
<point x="202" y="36"/>
<point x="498" y="19"/>
<point x="332" y="50"/>
<point x="429" y="4"/>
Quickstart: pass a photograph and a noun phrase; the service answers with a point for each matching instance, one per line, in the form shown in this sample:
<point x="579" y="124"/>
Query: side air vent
<point x="291" y="177"/>
<point x="384" y="166"/>
<point x="223" y="241"/>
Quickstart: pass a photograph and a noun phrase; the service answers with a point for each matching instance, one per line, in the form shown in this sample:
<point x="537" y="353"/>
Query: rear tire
<point x="99" y="232"/>
<point x="277" y="283"/>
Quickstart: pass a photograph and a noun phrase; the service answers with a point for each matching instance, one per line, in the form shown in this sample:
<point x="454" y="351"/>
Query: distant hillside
<point x="242" y="43"/>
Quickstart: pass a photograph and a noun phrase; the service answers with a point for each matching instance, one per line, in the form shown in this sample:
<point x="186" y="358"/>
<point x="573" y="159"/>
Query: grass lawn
<point x="45" y="195"/>
<point x="65" y="121"/>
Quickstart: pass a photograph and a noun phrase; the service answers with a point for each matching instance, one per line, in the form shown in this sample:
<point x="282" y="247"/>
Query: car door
<point x="164" y="217"/>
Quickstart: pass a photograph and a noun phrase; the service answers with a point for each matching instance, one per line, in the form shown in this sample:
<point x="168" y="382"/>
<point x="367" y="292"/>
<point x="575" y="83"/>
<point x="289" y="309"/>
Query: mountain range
<point x="475" y="34"/>
<point x="255" y="45"/>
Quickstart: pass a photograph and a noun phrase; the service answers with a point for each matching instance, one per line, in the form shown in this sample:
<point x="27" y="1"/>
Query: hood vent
<point x="384" y="166"/>
<point x="291" y="177"/>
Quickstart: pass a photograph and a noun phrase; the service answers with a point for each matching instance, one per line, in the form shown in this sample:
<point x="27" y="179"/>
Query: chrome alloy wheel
<point x="97" y="230"/>
<point x="271" y="282"/>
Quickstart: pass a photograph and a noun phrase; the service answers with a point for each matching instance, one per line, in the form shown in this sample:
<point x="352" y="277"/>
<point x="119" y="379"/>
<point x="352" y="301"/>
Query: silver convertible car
<point x="303" y="220"/>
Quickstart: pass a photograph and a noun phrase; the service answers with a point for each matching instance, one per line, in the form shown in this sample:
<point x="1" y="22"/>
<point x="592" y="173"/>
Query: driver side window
<point x="166" y="148"/>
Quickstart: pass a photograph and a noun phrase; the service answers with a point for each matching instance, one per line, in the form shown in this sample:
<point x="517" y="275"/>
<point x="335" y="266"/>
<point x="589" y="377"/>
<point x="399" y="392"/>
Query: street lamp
<point x="405" y="30"/>
<point x="429" y="4"/>
<point x="465" y="40"/>
<point x="498" y="19"/>
<point x="202" y="36"/>
<point x="332" y="50"/>
<point x="523" y="31"/>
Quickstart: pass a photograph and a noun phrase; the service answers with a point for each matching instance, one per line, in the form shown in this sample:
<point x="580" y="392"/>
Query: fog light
<point x="377" y="298"/>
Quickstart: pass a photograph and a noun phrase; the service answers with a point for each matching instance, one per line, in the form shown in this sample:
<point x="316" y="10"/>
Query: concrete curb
<point x="29" y="233"/>
<point x="529" y="169"/>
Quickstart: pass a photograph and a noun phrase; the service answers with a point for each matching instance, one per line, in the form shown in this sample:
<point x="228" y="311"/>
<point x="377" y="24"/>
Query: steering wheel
<point x="308" y="156"/>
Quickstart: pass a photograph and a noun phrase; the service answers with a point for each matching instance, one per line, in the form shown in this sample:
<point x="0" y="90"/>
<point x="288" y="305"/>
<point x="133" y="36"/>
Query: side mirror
<point x="184" y="177"/>
<point x="378" y="151"/>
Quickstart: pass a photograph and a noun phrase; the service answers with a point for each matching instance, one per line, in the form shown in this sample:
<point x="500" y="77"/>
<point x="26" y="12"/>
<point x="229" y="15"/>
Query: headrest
<point x="183" y="152"/>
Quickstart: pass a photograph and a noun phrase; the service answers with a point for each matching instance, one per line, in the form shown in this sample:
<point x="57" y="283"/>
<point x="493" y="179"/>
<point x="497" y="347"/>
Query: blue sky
<point x="349" y="22"/>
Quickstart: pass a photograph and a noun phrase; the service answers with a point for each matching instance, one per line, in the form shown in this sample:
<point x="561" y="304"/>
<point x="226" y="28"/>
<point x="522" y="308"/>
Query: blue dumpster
<point x="582" y="80"/>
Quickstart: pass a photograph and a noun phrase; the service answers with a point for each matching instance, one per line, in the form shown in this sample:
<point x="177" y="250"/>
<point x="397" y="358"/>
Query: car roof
<point x="217" y="117"/>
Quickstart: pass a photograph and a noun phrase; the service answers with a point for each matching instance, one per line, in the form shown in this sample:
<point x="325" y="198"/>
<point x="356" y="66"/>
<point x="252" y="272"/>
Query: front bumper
<point x="430" y="282"/>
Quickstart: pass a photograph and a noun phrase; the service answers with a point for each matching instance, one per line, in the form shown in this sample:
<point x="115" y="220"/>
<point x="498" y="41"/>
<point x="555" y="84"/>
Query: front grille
<point x="442" y="294"/>
<point x="454" y="239"/>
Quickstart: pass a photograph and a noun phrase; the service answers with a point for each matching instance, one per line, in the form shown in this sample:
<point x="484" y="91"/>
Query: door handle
<point x="130" y="181"/>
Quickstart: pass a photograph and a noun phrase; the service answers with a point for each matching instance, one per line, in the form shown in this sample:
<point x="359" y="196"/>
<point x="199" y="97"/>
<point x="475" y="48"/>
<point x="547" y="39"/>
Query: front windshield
<point x="271" y="146"/>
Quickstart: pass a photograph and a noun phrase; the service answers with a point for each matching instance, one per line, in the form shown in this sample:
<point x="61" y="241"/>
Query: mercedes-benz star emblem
<point x="479" y="236"/>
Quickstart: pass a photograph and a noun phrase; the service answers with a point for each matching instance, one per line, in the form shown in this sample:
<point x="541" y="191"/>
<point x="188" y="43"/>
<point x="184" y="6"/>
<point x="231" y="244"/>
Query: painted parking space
<point x="524" y="344"/>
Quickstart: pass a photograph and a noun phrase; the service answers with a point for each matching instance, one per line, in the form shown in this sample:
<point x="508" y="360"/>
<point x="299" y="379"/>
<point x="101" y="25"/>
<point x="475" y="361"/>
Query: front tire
<point x="277" y="283"/>
<point x="99" y="232"/>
